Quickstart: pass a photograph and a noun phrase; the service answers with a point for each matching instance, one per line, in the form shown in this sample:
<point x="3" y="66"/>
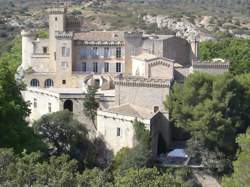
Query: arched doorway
<point x="68" y="105"/>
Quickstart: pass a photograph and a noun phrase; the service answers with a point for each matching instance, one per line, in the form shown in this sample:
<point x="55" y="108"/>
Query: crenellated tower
<point x="27" y="48"/>
<point x="56" y="24"/>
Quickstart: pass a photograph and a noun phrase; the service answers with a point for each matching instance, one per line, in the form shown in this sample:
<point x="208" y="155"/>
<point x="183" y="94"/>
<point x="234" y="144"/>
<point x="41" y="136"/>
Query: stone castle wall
<point x="145" y="93"/>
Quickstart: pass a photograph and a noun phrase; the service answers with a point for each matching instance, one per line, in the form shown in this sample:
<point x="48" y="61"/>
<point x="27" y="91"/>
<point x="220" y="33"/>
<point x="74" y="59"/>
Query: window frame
<point x="118" y="67"/>
<point x="106" y="67"/>
<point x="95" y="67"/>
<point x="50" y="81"/>
<point x="118" y="53"/>
<point x="84" y="66"/>
<point x="34" y="83"/>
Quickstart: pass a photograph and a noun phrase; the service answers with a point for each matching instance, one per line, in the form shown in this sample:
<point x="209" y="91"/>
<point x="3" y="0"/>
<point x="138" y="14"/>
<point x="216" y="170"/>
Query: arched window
<point x="48" y="83"/>
<point x="34" y="83"/>
<point x="68" y="105"/>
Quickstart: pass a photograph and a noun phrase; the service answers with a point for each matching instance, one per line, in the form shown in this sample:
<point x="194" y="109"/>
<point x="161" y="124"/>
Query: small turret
<point x="27" y="48"/>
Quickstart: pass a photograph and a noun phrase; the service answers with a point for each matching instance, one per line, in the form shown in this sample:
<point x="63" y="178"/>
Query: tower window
<point x="118" y="52"/>
<point x="45" y="50"/>
<point x="95" y="67"/>
<point x="65" y="52"/>
<point x="118" y="67"/>
<point x="63" y="81"/>
<point x="106" y="67"/>
<point x="118" y="131"/>
<point x="55" y="18"/>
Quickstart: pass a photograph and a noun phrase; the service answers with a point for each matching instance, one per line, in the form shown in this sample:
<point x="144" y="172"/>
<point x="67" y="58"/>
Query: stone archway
<point x="68" y="105"/>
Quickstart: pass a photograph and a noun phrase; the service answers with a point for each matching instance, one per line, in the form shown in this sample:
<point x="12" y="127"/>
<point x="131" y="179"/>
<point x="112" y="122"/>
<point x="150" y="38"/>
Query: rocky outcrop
<point x="182" y="28"/>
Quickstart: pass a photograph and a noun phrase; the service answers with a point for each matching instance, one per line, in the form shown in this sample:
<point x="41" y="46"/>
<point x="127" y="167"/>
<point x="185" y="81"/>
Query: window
<point x="106" y="52"/>
<point x="84" y="66"/>
<point x="64" y="64"/>
<point x="118" y="52"/>
<point x="97" y="83"/>
<point x="118" y="131"/>
<point x="118" y="67"/>
<point x="106" y="67"/>
<point x="49" y="107"/>
<point x="55" y="55"/>
<point x="48" y="83"/>
<point x="94" y="51"/>
<point x="45" y="50"/>
<point x="63" y="81"/>
<point x="95" y="67"/>
<point x="65" y="52"/>
<point x="34" y="83"/>
<point x="35" y="103"/>
<point x="55" y="18"/>
<point x="83" y="52"/>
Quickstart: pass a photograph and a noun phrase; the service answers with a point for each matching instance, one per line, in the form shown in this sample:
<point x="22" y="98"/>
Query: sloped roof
<point x="100" y="36"/>
<point x="132" y="110"/>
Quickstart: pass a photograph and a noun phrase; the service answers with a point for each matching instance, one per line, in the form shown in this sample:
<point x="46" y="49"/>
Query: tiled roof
<point x="132" y="110"/>
<point x="100" y="36"/>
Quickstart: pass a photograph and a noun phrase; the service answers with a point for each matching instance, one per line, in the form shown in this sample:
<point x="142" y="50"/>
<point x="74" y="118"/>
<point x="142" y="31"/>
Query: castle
<point x="133" y="72"/>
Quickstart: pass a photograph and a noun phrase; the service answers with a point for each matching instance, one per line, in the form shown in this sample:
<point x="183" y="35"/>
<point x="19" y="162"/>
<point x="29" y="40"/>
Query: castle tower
<point x="133" y="44"/>
<point x="27" y="48"/>
<point x="56" y="23"/>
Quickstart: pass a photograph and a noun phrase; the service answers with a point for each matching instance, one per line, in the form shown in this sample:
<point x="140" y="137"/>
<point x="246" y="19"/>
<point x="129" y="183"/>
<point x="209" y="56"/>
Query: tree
<point x="14" y="130"/>
<point x="31" y="170"/>
<point x="138" y="156"/>
<point x="65" y="135"/>
<point x="90" y="104"/>
<point x="241" y="174"/>
<point x="234" y="49"/>
<point x="210" y="109"/>
<point x="146" y="177"/>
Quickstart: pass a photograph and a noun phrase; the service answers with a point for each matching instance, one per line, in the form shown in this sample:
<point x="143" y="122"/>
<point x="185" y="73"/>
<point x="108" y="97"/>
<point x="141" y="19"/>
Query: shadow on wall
<point x="160" y="133"/>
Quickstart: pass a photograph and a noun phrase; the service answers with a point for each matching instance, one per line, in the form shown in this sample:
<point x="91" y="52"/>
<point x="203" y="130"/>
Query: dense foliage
<point x="65" y="135"/>
<point x="241" y="175"/>
<point x="14" y="130"/>
<point x="213" y="109"/>
<point x="33" y="170"/>
<point x="237" y="51"/>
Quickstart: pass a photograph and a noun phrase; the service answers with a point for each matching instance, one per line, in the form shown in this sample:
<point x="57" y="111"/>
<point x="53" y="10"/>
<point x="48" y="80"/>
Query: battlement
<point x="74" y="20"/>
<point x="133" y="35"/>
<point x="57" y="10"/>
<point x="137" y="81"/>
<point x="211" y="65"/>
<point x="64" y="35"/>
